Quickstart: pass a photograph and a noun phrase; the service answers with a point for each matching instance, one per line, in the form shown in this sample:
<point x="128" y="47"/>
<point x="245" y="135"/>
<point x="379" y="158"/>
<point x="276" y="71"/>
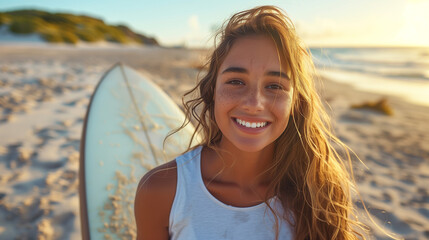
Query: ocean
<point x="402" y="71"/>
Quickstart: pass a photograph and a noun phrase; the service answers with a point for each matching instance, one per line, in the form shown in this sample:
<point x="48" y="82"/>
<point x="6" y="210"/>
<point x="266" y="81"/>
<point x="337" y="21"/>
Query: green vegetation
<point x="3" y="19"/>
<point x="22" y="26"/>
<point x="69" y="28"/>
<point x="381" y="106"/>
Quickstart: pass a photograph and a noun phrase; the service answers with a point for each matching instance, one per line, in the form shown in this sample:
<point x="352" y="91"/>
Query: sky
<point x="319" y="23"/>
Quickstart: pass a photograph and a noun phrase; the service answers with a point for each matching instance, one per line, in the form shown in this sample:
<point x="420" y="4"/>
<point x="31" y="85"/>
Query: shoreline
<point x="411" y="91"/>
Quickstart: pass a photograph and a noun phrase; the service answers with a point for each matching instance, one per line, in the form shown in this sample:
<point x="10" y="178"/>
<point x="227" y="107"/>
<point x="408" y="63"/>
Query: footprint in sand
<point x="49" y="133"/>
<point x="17" y="156"/>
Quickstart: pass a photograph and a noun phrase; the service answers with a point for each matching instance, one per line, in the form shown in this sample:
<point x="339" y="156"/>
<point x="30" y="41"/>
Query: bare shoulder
<point x="154" y="198"/>
<point x="160" y="177"/>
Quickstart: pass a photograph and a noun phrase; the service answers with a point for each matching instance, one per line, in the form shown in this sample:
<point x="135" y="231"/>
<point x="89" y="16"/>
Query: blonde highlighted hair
<point x="308" y="175"/>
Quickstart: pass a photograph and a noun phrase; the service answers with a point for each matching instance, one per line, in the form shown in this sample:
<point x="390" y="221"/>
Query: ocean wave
<point x="380" y="57"/>
<point x="395" y="63"/>
<point x="388" y="73"/>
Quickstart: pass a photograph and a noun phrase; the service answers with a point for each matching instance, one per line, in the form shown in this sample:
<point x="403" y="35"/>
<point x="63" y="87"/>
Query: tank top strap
<point x="188" y="171"/>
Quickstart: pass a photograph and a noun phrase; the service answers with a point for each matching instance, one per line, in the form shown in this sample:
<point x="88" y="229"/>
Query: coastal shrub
<point x="70" y="18"/>
<point x="69" y="37"/>
<point x="89" y="35"/>
<point x="46" y="28"/>
<point x="3" y="19"/>
<point x="56" y="18"/>
<point x="381" y="106"/>
<point x="115" y="35"/>
<point x="90" y="20"/>
<point x="61" y="21"/>
<point x="116" y="38"/>
<point x="52" y="37"/>
<point x="101" y="28"/>
<point x="23" y="26"/>
<point x="55" y="35"/>
<point x="27" y="13"/>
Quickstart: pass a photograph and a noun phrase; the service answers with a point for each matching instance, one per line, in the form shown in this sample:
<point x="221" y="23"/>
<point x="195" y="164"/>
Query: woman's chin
<point x="250" y="147"/>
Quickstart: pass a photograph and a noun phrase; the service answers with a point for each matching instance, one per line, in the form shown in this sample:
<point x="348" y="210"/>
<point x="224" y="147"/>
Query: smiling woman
<point x="266" y="167"/>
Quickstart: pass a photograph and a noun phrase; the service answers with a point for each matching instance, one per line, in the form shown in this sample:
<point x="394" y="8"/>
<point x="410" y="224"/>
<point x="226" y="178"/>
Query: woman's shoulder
<point x="162" y="180"/>
<point x="159" y="183"/>
<point x="154" y="198"/>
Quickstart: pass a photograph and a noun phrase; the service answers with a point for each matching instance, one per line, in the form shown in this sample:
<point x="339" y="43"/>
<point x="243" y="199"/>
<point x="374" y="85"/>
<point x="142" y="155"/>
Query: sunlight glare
<point x="414" y="30"/>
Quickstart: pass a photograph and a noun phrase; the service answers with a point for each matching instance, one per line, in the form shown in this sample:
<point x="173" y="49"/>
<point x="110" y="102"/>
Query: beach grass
<point x="69" y="28"/>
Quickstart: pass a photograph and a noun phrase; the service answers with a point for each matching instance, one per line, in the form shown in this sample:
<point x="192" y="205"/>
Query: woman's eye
<point x="235" y="82"/>
<point x="275" y="86"/>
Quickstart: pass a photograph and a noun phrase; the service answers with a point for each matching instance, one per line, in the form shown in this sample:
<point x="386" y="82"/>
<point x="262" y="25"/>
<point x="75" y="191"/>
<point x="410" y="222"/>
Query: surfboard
<point x="127" y="119"/>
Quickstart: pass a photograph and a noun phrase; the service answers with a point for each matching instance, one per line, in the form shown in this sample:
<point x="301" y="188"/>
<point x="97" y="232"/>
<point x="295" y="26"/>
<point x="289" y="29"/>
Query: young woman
<point x="266" y="167"/>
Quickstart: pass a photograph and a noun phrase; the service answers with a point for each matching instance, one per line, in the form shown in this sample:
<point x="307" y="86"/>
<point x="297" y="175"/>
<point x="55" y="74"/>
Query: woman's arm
<point x="154" y="198"/>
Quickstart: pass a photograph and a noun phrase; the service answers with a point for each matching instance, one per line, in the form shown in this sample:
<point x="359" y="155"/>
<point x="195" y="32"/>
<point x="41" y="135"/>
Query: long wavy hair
<point x="308" y="175"/>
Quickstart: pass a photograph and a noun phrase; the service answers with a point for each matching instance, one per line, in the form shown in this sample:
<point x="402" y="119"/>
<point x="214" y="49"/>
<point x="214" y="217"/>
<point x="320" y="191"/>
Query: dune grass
<point x="68" y="28"/>
<point x="23" y="26"/>
<point x="3" y="19"/>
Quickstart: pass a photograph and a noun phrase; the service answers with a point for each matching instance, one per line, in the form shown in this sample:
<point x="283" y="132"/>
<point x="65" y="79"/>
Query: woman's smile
<point x="251" y="124"/>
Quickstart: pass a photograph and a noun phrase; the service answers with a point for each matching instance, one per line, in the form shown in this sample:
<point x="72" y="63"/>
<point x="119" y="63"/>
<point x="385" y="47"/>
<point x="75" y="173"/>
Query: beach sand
<point x="44" y="93"/>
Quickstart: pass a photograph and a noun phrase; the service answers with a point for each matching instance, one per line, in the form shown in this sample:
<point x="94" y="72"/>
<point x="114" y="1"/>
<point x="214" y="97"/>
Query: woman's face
<point x="253" y="95"/>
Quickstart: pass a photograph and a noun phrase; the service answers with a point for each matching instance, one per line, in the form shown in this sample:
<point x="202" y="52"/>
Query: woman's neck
<point x="244" y="169"/>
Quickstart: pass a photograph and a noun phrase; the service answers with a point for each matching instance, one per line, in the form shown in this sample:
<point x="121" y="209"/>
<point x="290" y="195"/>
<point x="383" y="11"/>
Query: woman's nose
<point x="253" y="100"/>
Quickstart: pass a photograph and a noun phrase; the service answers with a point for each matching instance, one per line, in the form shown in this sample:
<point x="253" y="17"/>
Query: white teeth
<point x="251" y="125"/>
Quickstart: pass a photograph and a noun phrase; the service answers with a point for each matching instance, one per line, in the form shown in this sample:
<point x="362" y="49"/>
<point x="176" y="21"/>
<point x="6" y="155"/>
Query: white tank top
<point x="198" y="215"/>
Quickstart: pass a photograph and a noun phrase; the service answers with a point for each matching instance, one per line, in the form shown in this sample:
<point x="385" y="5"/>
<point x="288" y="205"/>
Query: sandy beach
<point x="44" y="93"/>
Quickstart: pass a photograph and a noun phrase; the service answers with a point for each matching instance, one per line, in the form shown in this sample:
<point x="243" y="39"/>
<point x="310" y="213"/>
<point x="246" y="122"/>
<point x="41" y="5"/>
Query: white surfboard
<point x="127" y="120"/>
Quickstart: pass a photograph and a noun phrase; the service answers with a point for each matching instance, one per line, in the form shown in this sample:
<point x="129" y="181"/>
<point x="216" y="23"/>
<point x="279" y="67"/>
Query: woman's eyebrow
<point x="243" y="70"/>
<point x="235" y="70"/>
<point x="277" y="74"/>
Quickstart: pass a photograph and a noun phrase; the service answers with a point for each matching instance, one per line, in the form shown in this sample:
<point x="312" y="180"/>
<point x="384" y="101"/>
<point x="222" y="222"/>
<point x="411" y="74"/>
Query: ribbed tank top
<point x="197" y="215"/>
